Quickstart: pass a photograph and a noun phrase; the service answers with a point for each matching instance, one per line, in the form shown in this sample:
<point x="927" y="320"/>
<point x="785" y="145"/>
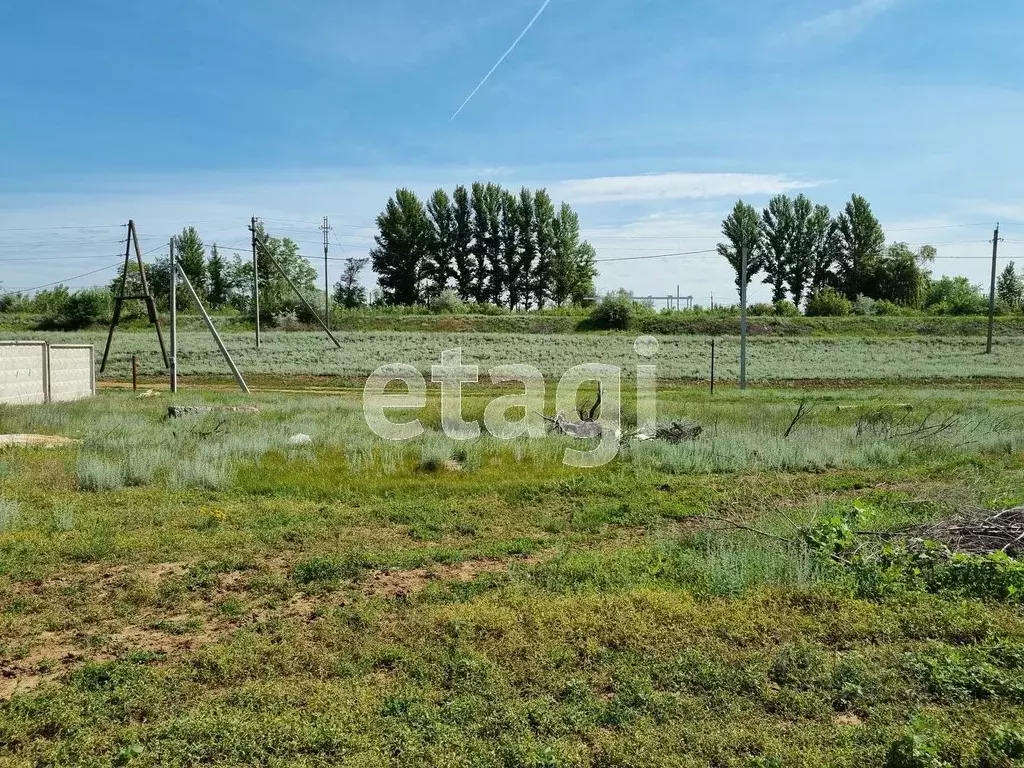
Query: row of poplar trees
<point x="800" y="248"/>
<point x="486" y="244"/>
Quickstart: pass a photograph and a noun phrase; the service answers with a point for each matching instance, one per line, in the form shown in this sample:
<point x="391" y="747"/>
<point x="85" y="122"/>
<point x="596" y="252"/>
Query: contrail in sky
<point x="505" y="56"/>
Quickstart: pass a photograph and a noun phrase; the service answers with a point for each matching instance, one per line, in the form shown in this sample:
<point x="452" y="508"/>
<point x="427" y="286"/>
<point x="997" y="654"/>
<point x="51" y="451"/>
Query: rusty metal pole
<point x="135" y="374"/>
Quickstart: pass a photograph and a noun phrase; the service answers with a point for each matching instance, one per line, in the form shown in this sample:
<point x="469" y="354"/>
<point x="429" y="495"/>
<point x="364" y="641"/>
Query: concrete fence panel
<point x="37" y="372"/>
<point x="71" y="372"/>
<point x="23" y="377"/>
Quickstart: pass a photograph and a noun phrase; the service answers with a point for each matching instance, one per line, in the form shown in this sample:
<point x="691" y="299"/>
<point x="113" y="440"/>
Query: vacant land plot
<point x="201" y="591"/>
<point x="679" y="357"/>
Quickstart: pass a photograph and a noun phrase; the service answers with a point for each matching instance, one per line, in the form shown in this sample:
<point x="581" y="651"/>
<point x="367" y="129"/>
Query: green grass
<point x="771" y="358"/>
<point x="198" y="592"/>
<point x="702" y="323"/>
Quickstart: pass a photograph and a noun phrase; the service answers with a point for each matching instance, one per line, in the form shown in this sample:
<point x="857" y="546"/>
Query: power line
<point x="68" y="279"/>
<point x="676" y="255"/>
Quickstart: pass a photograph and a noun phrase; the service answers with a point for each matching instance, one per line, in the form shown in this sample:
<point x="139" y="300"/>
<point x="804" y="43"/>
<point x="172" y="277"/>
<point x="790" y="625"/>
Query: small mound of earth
<point x="35" y="441"/>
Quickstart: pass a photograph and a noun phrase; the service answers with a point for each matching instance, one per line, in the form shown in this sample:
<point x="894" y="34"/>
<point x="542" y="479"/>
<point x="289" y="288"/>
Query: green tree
<point x="275" y="255"/>
<point x="526" y="250"/>
<point x="439" y="267"/>
<point x="1010" y="287"/>
<point x="902" y="275"/>
<point x="823" y="232"/>
<point x="486" y="244"/>
<point x="463" y="264"/>
<point x="572" y="260"/>
<point x="191" y="255"/>
<point x="505" y="276"/>
<point x="861" y="243"/>
<point x="544" y="239"/>
<point x="808" y="249"/>
<point x="348" y="291"/>
<point x="742" y="229"/>
<point x="778" y="223"/>
<point x="219" y="289"/>
<point x="403" y="244"/>
<point x="584" y="273"/>
<point x="955" y="296"/>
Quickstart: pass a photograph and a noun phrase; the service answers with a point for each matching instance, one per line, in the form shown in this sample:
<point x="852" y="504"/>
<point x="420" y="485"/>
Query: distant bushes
<point x="829" y="303"/>
<point x="617" y="312"/>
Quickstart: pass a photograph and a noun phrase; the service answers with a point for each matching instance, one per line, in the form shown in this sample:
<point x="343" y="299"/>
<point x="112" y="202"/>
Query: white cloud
<point x="843" y="22"/>
<point x="676" y="186"/>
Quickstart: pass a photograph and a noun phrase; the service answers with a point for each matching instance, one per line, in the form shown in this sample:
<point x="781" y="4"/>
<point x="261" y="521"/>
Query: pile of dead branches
<point x="679" y="433"/>
<point x="978" y="534"/>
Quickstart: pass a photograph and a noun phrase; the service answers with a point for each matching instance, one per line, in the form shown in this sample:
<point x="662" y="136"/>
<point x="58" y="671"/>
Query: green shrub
<point x="886" y="308"/>
<point x="761" y="309"/>
<point x="829" y="303"/>
<point x="315" y="299"/>
<point x="447" y="303"/>
<point x="913" y="751"/>
<point x="864" y="306"/>
<point x="1004" y="747"/>
<point x="82" y="309"/>
<point x="786" y="308"/>
<point x="617" y="311"/>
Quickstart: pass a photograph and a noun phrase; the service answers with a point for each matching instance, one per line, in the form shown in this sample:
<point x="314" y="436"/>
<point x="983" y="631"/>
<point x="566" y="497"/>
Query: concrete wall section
<point x="71" y="372"/>
<point x="23" y="376"/>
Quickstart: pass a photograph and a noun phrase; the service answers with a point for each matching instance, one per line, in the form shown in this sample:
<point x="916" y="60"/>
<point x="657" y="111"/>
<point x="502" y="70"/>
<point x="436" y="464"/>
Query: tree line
<point x="485" y="244"/>
<point x="800" y="249"/>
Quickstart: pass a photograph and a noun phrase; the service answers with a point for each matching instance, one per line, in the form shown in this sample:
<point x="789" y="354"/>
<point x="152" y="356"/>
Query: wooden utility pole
<point x="146" y="296"/>
<point x="992" y="292"/>
<point x="327" y="286"/>
<point x="743" y="318"/>
<point x="255" y="280"/>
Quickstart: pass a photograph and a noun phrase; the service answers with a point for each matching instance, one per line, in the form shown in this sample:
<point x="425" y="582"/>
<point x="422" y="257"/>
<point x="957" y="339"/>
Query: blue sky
<point x="650" y="116"/>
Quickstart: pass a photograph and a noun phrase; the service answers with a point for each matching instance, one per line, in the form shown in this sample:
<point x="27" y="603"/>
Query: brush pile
<point x="979" y="533"/>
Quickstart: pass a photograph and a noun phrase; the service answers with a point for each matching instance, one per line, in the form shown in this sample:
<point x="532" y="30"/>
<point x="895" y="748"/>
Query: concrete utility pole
<point x="743" y="318"/>
<point x="992" y="292"/>
<point x="255" y="280"/>
<point x="174" y="318"/>
<point x="326" y="227"/>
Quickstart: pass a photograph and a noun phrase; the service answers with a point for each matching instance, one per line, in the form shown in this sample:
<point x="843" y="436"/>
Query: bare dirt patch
<point x="196" y="624"/>
<point x="392" y="584"/>
<point x="36" y="441"/>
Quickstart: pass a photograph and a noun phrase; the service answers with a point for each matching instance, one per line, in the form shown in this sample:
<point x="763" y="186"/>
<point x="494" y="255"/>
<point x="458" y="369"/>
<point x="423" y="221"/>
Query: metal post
<point x="135" y="373"/>
<point x="174" y="318"/>
<point x="712" y="366"/>
<point x="678" y="304"/>
<point x="213" y="330"/>
<point x="743" y="319"/>
<point x="992" y="292"/>
<point x="255" y="280"/>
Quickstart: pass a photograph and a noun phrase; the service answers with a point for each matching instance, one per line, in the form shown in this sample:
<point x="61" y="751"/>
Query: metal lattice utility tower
<point x="326" y="229"/>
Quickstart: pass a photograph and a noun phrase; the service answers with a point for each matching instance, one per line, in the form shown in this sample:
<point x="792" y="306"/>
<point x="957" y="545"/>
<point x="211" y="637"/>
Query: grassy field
<point x="685" y="323"/>
<point x="679" y="357"/>
<point x="202" y="592"/>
